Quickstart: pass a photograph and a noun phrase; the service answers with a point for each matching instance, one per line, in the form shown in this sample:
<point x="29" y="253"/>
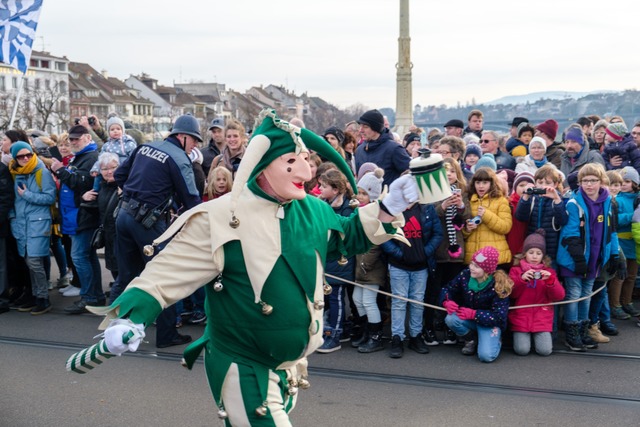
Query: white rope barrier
<point x="436" y="307"/>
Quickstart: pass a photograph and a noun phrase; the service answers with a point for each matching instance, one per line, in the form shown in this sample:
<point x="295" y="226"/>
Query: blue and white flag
<point x="18" y="22"/>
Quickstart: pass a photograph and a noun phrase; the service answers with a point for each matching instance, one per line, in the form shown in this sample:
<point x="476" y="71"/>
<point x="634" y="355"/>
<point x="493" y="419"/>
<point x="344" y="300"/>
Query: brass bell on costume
<point x="222" y="414"/>
<point x="303" y="383"/>
<point x="234" y="223"/>
<point x="218" y="286"/>
<point x="293" y="390"/>
<point x="327" y="289"/>
<point x="343" y="261"/>
<point x="318" y="305"/>
<point x="266" y="308"/>
<point x="148" y="250"/>
<point x="261" y="411"/>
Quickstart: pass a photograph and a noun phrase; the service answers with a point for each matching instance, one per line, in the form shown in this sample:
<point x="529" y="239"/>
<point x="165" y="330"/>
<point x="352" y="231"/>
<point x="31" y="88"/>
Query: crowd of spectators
<point x="536" y="216"/>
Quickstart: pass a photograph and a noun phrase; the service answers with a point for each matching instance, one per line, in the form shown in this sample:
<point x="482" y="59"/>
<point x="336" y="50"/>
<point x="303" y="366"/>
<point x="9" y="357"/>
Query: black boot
<point x="374" y="343"/>
<point x="42" y="306"/>
<point x="470" y="343"/>
<point x="418" y="345"/>
<point x="587" y="341"/>
<point x="360" y="333"/>
<point x="572" y="336"/>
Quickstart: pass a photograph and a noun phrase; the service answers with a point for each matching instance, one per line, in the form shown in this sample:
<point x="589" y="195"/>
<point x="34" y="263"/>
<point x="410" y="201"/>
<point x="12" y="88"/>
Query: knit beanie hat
<point x="575" y="134"/>
<point x="631" y="174"/>
<point x="523" y="177"/>
<point x="335" y="132"/>
<point x="19" y="145"/>
<point x="410" y="137"/>
<point x="115" y="121"/>
<point x="535" y="240"/>
<point x="487" y="259"/>
<point x="486" y="161"/>
<point x="372" y="183"/>
<point x="537" y="140"/>
<point x="616" y="131"/>
<point x="366" y="168"/>
<point x="473" y="149"/>
<point x="374" y="119"/>
<point x="549" y="128"/>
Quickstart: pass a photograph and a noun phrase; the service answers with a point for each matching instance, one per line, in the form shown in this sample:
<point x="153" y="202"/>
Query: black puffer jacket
<point x="107" y="201"/>
<point x="541" y="212"/>
<point x="7" y="195"/>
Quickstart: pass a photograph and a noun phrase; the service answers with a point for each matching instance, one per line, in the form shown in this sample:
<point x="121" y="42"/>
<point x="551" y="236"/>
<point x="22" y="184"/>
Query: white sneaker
<point x="72" y="292"/>
<point x="65" y="289"/>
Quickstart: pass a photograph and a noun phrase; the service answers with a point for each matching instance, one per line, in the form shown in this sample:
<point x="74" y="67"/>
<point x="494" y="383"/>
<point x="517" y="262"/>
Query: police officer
<point x="153" y="179"/>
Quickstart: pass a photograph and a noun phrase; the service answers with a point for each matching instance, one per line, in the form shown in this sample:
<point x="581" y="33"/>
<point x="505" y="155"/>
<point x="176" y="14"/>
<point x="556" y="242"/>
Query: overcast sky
<point x="345" y="51"/>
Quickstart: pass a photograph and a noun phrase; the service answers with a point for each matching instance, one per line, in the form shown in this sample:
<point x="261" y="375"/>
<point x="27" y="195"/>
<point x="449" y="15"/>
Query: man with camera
<point x="156" y="178"/>
<point x="94" y="127"/>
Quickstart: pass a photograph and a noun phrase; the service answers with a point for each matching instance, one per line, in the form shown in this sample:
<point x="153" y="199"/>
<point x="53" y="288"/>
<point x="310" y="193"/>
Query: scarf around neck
<point x="27" y="169"/>
<point x="476" y="286"/>
<point x="540" y="163"/>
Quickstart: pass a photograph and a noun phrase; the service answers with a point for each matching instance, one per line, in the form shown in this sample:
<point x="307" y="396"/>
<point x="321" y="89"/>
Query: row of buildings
<point x="56" y="90"/>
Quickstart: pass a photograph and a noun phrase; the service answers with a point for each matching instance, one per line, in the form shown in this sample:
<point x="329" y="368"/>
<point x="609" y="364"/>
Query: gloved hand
<point x="402" y="192"/>
<point x="613" y="265"/>
<point x="123" y="335"/>
<point x="580" y="268"/>
<point x="465" y="313"/>
<point x="451" y="306"/>
<point x="622" y="269"/>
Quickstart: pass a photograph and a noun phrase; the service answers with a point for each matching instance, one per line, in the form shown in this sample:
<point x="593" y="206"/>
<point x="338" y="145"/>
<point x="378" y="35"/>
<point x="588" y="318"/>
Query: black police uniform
<point x="152" y="179"/>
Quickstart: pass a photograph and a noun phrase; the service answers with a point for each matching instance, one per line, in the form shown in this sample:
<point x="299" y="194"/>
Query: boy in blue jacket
<point x="588" y="243"/>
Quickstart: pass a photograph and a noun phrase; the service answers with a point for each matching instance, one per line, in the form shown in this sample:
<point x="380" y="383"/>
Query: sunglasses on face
<point x="27" y="156"/>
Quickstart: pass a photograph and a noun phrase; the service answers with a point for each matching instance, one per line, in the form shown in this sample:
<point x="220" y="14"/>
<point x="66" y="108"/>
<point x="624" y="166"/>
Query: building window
<point x="47" y="84"/>
<point x="14" y="82"/>
<point x="44" y="64"/>
<point x="36" y="84"/>
<point x="61" y="66"/>
<point x="63" y="87"/>
<point x="33" y="62"/>
<point x="2" y="83"/>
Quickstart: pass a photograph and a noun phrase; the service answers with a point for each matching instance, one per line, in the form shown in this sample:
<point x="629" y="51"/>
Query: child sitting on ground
<point x="534" y="282"/>
<point x="477" y="305"/>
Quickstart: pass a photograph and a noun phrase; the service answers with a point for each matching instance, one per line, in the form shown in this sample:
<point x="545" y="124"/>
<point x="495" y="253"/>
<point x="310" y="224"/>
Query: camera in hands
<point x="535" y="190"/>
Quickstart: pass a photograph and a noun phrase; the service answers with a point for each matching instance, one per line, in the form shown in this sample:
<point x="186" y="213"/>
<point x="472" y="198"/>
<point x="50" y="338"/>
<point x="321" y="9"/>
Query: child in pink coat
<point x="534" y="282"/>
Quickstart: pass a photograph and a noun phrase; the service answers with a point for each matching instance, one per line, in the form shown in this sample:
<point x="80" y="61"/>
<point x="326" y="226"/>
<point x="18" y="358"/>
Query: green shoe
<point x="631" y="310"/>
<point x="618" y="313"/>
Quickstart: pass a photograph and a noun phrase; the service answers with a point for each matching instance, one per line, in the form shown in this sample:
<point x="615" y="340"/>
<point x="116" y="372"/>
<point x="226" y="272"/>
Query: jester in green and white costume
<point x="260" y="252"/>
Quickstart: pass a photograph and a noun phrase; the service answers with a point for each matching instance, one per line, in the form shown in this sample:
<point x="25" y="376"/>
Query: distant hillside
<point x="536" y="96"/>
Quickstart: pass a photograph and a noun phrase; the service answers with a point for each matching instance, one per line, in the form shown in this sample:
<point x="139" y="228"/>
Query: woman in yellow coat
<point x="490" y="217"/>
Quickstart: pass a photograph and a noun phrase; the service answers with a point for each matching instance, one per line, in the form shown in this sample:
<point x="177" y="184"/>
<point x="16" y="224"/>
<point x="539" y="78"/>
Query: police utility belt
<point x="144" y="214"/>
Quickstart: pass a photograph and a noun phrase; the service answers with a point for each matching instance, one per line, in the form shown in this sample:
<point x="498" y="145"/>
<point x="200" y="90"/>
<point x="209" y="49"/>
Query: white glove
<point x="402" y="193"/>
<point x="123" y="335"/>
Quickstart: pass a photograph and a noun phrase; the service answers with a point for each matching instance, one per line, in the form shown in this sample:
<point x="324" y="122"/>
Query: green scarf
<point x="477" y="287"/>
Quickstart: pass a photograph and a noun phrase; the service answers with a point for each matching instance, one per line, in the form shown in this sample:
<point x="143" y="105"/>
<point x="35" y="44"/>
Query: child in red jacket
<point x="534" y="282"/>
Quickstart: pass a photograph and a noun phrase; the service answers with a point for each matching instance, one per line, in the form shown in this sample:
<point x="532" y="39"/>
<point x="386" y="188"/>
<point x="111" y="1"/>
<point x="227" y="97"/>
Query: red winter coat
<point x="535" y="319"/>
<point x="515" y="238"/>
